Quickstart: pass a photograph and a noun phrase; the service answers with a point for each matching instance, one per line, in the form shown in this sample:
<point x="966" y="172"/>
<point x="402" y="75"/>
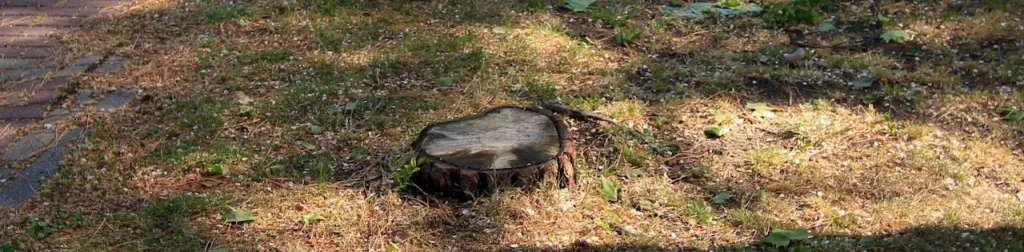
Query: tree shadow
<point x="920" y="238"/>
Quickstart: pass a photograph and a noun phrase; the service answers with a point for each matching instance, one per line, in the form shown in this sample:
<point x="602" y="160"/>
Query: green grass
<point x="766" y="162"/>
<point x="748" y="219"/>
<point x="887" y="160"/>
<point x="165" y="221"/>
<point x="699" y="211"/>
<point x="224" y="13"/>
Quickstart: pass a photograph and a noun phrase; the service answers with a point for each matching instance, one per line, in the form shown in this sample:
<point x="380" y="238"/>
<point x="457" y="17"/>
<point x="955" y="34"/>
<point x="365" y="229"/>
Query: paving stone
<point x="15" y="124"/>
<point x="59" y="111"/>
<point x="32" y="52"/>
<point x="15" y="63"/>
<point x="10" y="99"/>
<point x="74" y="136"/>
<point x="44" y="21"/>
<point x="79" y="65"/>
<point x="114" y="100"/>
<point x="87" y="60"/>
<point x="31" y="85"/>
<point x="34" y="31"/>
<point x="35" y="111"/>
<point x="10" y="75"/>
<point x="22" y="187"/>
<point x="7" y="173"/>
<point x="21" y="41"/>
<point x="59" y="3"/>
<point x="7" y="140"/>
<point x="28" y="145"/>
<point x="36" y="74"/>
<point x="44" y="96"/>
<point x="53" y="119"/>
<point x="113" y="64"/>
<point x="48" y="11"/>
<point x="71" y="71"/>
<point x="85" y="97"/>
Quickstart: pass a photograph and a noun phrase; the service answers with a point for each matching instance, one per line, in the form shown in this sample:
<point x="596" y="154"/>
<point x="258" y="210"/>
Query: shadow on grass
<point x="922" y="238"/>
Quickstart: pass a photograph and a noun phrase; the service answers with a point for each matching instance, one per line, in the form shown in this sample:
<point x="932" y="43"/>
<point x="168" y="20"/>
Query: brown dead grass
<point x="846" y="164"/>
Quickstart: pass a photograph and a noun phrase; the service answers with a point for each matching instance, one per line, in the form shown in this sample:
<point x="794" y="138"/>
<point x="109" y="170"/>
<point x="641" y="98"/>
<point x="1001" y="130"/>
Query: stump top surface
<point x="501" y="139"/>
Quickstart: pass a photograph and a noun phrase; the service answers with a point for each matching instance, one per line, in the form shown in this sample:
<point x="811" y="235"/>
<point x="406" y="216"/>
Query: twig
<point x="577" y="113"/>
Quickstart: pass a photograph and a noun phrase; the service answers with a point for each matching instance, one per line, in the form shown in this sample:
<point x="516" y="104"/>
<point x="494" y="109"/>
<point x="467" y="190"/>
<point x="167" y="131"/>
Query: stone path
<point x="37" y="90"/>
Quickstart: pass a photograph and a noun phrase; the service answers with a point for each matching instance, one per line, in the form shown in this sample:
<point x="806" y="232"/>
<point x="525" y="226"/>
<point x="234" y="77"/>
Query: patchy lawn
<point x="301" y="112"/>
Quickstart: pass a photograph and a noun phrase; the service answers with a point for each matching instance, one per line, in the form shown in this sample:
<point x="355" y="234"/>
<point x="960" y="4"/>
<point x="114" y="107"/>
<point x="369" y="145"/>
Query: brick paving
<point x="33" y="79"/>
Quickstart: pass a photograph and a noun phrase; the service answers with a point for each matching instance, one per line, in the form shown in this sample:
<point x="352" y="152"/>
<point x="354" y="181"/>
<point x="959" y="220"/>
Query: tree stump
<point x="504" y="146"/>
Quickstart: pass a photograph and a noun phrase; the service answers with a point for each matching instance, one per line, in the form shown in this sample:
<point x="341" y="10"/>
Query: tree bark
<point x="501" y="147"/>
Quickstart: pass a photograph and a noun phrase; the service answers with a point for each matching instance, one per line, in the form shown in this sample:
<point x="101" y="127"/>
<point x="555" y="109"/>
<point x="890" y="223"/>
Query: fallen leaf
<point x="863" y="82"/>
<point x="716" y="131"/>
<point x="776" y="239"/>
<point x="722" y="197"/>
<point x="826" y="27"/>
<point x="894" y="36"/>
<point x="308" y="146"/>
<point x="761" y="110"/>
<point x="578" y="5"/>
<point x="609" y="190"/>
<point x="238" y="216"/>
<point x="315" y="130"/>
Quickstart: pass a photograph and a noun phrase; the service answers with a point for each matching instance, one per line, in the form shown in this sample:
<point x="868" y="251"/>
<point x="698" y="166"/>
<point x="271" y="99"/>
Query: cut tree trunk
<point x="504" y="146"/>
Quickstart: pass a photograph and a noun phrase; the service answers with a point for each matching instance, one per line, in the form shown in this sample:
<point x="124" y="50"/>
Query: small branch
<point x="577" y="113"/>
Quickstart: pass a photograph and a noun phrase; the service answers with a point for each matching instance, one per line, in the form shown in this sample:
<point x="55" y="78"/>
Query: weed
<point x="793" y="12"/>
<point x="540" y="90"/>
<point x="699" y="210"/>
<point x="633" y="157"/>
<point x="842" y="219"/>
<point x="224" y="13"/>
<point x="612" y="16"/>
<point x="627" y="35"/>
<point x="320" y="170"/>
<point x="766" y="162"/>
<point x="403" y="176"/>
<point x="164" y="220"/>
<point x="272" y="56"/>
<point x="329" y="7"/>
<point x="201" y="117"/>
<point x="747" y="219"/>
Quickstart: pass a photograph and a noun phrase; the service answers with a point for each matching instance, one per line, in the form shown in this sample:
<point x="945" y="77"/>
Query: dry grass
<point x="918" y="161"/>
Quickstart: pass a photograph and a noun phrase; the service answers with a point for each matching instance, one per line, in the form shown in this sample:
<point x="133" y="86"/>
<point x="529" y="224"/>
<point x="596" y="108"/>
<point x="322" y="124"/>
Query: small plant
<point x="700" y="211"/>
<point x="218" y="169"/>
<point x="40" y="229"/>
<point x="1012" y="115"/>
<point x="9" y="247"/>
<point x="310" y="219"/>
<point x="403" y="177"/>
<point x="794" y="12"/>
<point x="224" y="13"/>
<point x="782" y="237"/>
<point x="766" y="162"/>
<point x="635" y="158"/>
<point x="889" y="34"/>
<point x="612" y="16"/>
<point x="360" y="152"/>
<point x="628" y="36"/>
<point x="609" y="190"/>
